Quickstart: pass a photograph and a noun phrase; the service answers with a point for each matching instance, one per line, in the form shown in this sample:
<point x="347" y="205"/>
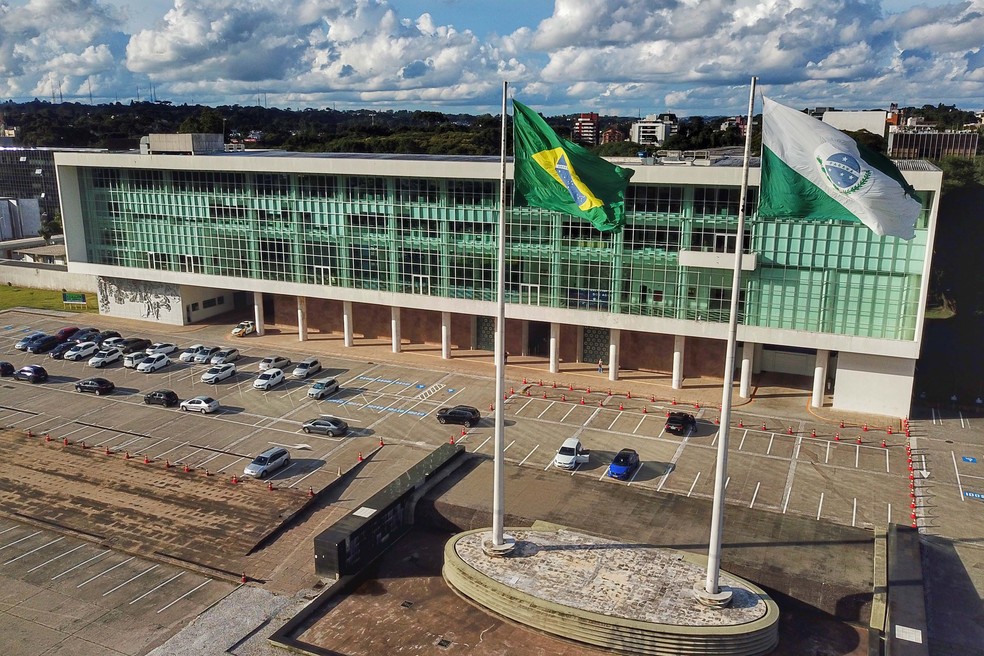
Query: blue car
<point x="625" y="462"/>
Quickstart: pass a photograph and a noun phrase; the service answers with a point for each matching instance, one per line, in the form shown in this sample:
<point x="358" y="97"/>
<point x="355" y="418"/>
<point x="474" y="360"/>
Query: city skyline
<point x="634" y="58"/>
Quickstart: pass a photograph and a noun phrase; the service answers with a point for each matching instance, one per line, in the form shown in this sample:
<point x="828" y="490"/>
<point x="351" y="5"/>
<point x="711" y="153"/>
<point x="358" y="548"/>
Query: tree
<point x="50" y="226"/>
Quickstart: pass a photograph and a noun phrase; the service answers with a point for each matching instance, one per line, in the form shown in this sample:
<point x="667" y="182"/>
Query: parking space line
<point x="854" y="513"/>
<point x="506" y="448"/>
<point x="9" y="529"/>
<point x="131" y="579"/>
<point x="187" y="594"/>
<point x="820" y="506"/>
<point x="889" y="514"/>
<point x="614" y="421"/>
<point x="785" y="502"/>
<point x="957" y="472"/>
<point x="826" y="458"/>
<point x="886" y="462"/>
<point x="19" y="540"/>
<point x="642" y="419"/>
<point x="523" y="407"/>
<point x="857" y="455"/>
<point x="84" y="562"/>
<point x="545" y="410"/>
<point x="636" y="473"/>
<point x="156" y="588"/>
<point x="755" y="494"/>
<point x="483" y="443"/>
<point x="694" y="484"/>
<point x="742" y="443"/>
<point x="564" y="418"/>
<point x="161" y="455"/>
<point x="673" y="461"/>
<point x="528" y="455"/>
<point x="105" y="571"/>
<point x="51" y="560"/>
<point x="23" y="555"/>
<point x="769" y="450"/>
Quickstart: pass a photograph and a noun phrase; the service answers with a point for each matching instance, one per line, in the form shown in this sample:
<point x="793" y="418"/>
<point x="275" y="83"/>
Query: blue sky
<point x="624" y="57"/>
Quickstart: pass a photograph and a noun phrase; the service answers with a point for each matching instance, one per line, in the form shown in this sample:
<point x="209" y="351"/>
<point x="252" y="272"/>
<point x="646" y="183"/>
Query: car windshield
<point x="623" y="458"/>
<point x="102" y="354"/>
<point x="214" y="370"/>
<point x="207" y="399"/>
<point x="260" y="460"/>
<point x="319" y="386"/>
<point x="265" y="376"/>
<point x="566" y="451"/>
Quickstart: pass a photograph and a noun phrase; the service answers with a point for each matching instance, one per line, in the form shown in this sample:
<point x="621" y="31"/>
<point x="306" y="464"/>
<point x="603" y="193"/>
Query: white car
<point x="225" y="356"/>
<point x="111" y="341"/>
<point x="105" y="356"/>
<point x="133" y="360"/>
<point x="269" y="378"/>
<point x="571" y="454"/>
<point x="322" y="388"/>
<point x="81" y="351"/>
<point x="219" y="372"/>
<point x="202" y="404"/>
<point x="161" y="347"/>
<point x="306" y="368"/>
<point x="274" y="362"/>
<point x="188" y="355"/>
<point x="153" y="362"/>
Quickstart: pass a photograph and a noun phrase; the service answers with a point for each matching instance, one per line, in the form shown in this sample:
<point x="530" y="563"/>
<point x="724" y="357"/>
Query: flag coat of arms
<point x="556" y="174"/>
<point x="812" y="170"/>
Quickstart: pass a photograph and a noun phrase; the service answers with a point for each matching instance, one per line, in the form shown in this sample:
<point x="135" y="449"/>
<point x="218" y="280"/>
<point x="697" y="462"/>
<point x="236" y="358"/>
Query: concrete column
<point x="614" y="337"/>
<point x="347" y="323"/>
<point x="579" y="357"/>
<point x="446" y="335"/>
<point x="747" y="358"/>
<point x="302" y="318"/>
<point x="395" y="328"/>
<point x="679" y="342"/>
<point x="525" y="332"/>
<point x="258" y="312"/>
<point x="819" y="378"/>
<point x="554" y="348"/>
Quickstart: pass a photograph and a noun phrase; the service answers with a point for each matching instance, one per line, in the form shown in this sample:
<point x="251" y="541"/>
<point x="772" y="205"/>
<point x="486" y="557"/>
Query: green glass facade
<point x="437" y="236"/>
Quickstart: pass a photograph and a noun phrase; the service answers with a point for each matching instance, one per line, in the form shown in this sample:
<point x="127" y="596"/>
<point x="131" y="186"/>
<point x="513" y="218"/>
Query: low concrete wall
<point x="45" y="276"/>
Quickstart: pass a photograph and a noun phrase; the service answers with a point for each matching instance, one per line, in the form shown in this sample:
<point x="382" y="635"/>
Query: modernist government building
<point x="404" y="248"/>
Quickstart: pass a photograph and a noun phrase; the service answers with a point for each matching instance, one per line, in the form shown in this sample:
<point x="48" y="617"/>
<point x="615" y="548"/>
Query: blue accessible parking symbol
<point x="974" y="495"/>
<point x="969" y="459"/>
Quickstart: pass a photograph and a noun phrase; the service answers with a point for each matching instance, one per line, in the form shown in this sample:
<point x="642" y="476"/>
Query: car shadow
<point x="296" y="466"/>
<point x="228" y="410"/>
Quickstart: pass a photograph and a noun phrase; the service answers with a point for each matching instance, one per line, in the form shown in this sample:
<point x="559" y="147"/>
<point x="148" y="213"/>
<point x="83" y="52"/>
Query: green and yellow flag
<point x="559" y="175"/>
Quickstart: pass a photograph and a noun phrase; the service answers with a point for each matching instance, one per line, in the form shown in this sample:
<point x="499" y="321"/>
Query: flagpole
<point x="500" y="544"/>
<point x="711" y="594"/>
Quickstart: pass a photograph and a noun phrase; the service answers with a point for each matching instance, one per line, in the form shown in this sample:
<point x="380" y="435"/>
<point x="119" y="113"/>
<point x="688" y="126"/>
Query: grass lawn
<point x="42" y="299"/>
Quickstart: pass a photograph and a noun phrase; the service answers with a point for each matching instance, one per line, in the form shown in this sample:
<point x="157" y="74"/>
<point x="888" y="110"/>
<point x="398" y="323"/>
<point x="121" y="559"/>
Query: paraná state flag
<point x="812" y="170"/>
<point x="556" y="174"/>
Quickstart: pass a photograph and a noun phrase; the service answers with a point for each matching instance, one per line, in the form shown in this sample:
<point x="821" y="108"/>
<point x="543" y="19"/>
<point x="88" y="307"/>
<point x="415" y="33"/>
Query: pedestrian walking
<point x="601" y="367"/>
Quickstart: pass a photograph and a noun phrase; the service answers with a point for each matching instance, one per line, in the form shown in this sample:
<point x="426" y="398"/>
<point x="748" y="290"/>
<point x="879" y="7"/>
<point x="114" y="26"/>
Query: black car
<point x="679" y="423"/>
<point x="43" y="344"/>
<point x="103" y="336"/>
<point x="459" y="414"/>
<point x="97" y="386"/>
<point x="6" y="369"/>
<point x="32" y="373"/>
<point x="84" y="335"/>
<point x="58" y="353"/>
<point x="166" y="398"/>
<point x="134" y="344"/>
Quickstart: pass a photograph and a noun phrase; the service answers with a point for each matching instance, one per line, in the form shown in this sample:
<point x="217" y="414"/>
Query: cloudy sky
<point x="631" y="57"/>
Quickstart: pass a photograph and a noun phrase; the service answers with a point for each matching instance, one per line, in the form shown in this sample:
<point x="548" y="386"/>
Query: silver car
<point x="274" y="362"/>
<point x="268" y="462"/>
<point x="225" y="355"/>
<point x="205" y="353"/>
<point x="306" y="367"/>
<point x="219" y="372"/>
<point x="322" y="388"/>
<point x="202" y="404"/>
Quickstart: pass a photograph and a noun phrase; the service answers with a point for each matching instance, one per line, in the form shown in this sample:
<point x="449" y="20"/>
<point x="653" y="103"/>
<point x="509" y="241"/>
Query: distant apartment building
<point x="932" y="144"/>
<point x="653" y="130"/>
<point x="612" y="135"/>
<point x="875" y="121"/>
<point x="739" y="122"/>
<point x="586" y="130"/>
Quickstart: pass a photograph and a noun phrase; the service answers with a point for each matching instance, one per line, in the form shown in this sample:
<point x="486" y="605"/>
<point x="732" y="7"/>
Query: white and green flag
<point x="812" y="170"/>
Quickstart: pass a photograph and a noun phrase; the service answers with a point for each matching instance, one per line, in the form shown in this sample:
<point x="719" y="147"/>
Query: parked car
<point x="330" y="426"/>
<point x="97" y="386"/>
<point x="571" y="454"/>
<point x="268" y="462"/>
<point x="84" y="335"/>
<point x="459" y="414"/>
<point x="188" y="355"/>
<point x="81" y="351"/>
<point x="244" y="328"/>
<point x="111" y="341"/>
<point x="306" y="367"/>
<point x="105" y="356"/>
<point x="166" y="398"/>
<point x="26" y="340"/>
<point x="225" y="355"/>
<point x="66" y="333"/>
<point x="153" y="363"/>
<point x="6" y="368"/>
<point x="42" y="344"/>
<point x="205" y="354"/>
<point x="202" y="404"/>
<point x="274" y="362"/>
<point x="322" y="388"/>
<point x="32" y="373"/>
<point x="624" y="464"/>
<point x="161" y="347"/>
<point x="59" y="351"/>
<point x="106" y="334"/>
<point x="269" y="378"/>
<point x="134" y="344"/>
<point x="219" y="372"/>
<point x="133" y="360"/>
<point x="680" y="423"/>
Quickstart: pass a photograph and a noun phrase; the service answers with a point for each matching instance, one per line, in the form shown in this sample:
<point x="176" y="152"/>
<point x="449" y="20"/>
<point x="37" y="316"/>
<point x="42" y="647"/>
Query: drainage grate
<point x="407" y="604"/>
<point x="443" y="643"/>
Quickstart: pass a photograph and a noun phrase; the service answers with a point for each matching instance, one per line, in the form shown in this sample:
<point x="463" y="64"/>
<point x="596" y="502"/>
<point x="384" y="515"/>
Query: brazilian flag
<point x="559" y="175"/>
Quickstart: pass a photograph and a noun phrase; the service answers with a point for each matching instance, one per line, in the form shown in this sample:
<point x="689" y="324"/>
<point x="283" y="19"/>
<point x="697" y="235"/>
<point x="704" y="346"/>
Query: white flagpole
<point x="498" y="484"/>
<point x="712" y="594"/>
